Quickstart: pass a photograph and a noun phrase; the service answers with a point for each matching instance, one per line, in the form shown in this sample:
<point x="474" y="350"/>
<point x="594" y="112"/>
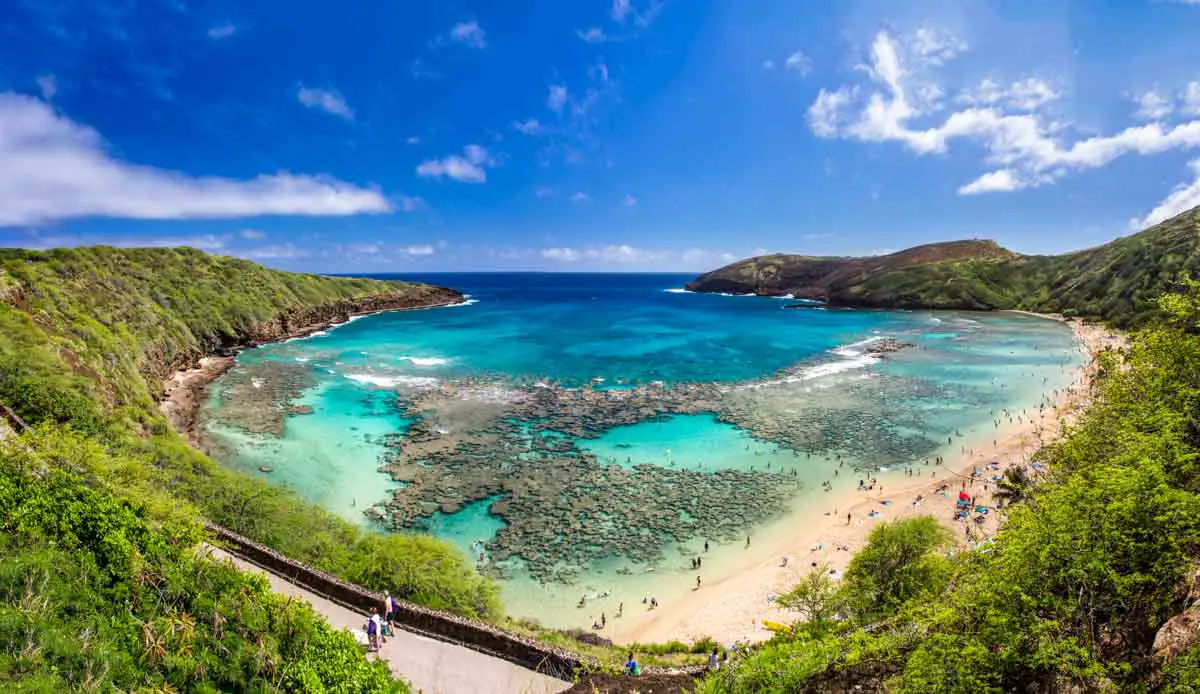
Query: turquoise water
<point x="794" y="394"/>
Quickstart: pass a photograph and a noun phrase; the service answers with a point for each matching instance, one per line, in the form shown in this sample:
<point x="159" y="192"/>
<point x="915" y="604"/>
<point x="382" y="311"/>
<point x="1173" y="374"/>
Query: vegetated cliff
<point x="1117" y="281"/>
<point x="87" y="337"/>
<point x="128" y="318"/>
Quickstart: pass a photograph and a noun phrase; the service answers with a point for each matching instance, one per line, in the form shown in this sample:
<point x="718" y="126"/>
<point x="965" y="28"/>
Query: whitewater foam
<point x="678" y="290"/>
<point x="424" y="361"/>
<point x="393" y="381"/>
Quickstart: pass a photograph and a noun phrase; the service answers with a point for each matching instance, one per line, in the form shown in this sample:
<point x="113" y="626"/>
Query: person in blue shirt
<point x="632" y="667"/>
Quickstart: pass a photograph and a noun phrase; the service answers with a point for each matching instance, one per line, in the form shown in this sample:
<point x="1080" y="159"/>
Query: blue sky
<point x="393" y="136"/>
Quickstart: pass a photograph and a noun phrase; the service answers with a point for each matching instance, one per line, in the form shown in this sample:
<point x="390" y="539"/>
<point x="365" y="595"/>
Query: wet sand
<point x="734" y="606"/>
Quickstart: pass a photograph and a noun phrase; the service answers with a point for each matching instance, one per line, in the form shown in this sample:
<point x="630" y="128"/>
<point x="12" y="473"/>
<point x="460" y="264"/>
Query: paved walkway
<point x="432" y="666"/>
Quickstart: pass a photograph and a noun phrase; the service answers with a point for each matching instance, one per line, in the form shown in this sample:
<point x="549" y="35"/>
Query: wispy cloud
<point x="469" y="167"/>
<point x="1152" y="106"/>
<point x="625" y="10"/>
<point x="1024" y="146"/>
<point x="798" y="62"/>
<point x="579" y="196"/>
<point x="252" y="234"/>
<point x="56" y="169"/>
<point x="529" y="126"/>
<point x="421" y="249"/>
<point x="48" y="86"/>
<point x="557" y="97"/>
<point x="329" y="101"/>
<point x="413" y="140"/>
<point x="567" y="255"/>
<point x="1184" y="197"/>
<point x="222" y="31"/>
<point x="630" y="201"/>
<point x="469" y="34"/>
<point x="204" y="242"/>
<point x="621" y="9"/>
<point x="282" y="251"/>
<point x="411" y="203"/>
<point x="593" y="35"/>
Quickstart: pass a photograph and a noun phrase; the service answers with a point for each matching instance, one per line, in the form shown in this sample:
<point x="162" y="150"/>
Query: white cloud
<point x="469" y="33"/>
<point x="1152" y="106"/>
<point x="326" y="100"/>
<point x="413" y="140"/>
<point x="630" y="201"/>
<point x="1191" y="99"/>
<point x="598" y="73"/>
<point x="252" y="234"/>
<point x="274" y="252"/>
<point x="1029" y="94"/>
<point x="798" y="62"/>
<point x="1183" y="197"/>
<point x="544" y="192"/>
<point x="55" y="169"/>
<point x="223" y="31"/>
<point x="470" y="167"/>
<point x="593" y="35"/>
<point x="993" y="182"/>
<point x="529" y="126"/>
<point x="557" y="98"/>
<point x="411" y="203"/>
<point x="1025" y="147"/>
<point x="422" y="249"/>
<point x="281" y="251"/>
<point x="704" y="259"/>
<point x="567" y="255"/>
<point x="935" y="46"/>
<point x="614" y="254"/>
<point x="621" y="9"/>
<point x="579" y="196"/>
<point x="825" y="113"/>
<point x="48" y="85"/>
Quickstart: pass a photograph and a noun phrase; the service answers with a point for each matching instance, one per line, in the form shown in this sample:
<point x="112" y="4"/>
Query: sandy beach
<point x="734" y="608"/>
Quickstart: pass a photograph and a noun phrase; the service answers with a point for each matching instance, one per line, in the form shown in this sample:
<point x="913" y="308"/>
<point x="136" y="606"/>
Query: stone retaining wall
<point x="440" y="625"/>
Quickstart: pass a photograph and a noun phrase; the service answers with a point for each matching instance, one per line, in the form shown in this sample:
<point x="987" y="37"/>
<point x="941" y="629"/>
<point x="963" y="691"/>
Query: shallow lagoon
<point x="783" y="367"/>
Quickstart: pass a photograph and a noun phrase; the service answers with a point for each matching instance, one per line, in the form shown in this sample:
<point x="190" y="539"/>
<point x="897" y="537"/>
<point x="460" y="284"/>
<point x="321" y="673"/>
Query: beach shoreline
<point x="734" y="607"/>
<point x="184" y="391"/>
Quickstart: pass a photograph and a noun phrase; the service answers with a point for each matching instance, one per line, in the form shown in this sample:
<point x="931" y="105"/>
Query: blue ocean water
<point x="783" y="368"/>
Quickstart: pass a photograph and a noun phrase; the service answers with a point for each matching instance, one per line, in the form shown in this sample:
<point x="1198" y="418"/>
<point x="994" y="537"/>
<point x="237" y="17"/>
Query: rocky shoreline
<point x="183" y="390"/>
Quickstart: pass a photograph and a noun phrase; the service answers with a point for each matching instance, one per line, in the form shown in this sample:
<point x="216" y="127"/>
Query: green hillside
<point x="1092" y="583"/>
<point x="1117" y="282"/>
<point x="86" y="338"/>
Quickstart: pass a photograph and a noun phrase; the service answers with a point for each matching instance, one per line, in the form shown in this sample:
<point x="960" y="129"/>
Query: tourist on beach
<point x="697" y="583"/>
<point x="631" y="666"/>
<point x="747" y="542"/>
<point x="714" y="663"/>
<point x="706" y="545"/>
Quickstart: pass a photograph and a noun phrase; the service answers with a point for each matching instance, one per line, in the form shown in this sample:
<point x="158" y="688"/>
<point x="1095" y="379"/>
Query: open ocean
<point x="622" y="331"/>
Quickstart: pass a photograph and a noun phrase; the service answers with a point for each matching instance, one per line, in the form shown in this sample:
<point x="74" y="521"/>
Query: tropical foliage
<point x="1073" y="590"/>
<point x="86" y="337"/>
<point x="96" y="596"/>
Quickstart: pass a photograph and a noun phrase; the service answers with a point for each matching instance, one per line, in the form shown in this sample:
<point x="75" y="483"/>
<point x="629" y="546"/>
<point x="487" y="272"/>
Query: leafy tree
<point x="901" y="561"/>
<point x="814" y="598"/>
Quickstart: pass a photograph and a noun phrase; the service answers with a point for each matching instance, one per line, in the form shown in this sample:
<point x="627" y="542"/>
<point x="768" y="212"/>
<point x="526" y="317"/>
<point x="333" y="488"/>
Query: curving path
<point x="432" y="666"/>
